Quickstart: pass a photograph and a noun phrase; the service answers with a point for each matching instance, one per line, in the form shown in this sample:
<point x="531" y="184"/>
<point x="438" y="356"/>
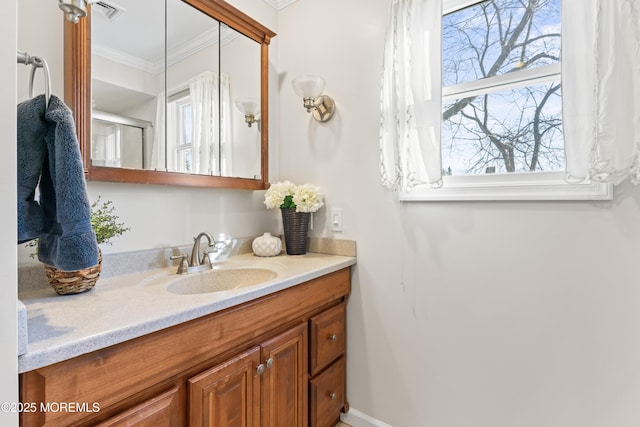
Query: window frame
<point x="518" y="186"/>
<point x="510" y="187"/>
<point x="179" y="151"/>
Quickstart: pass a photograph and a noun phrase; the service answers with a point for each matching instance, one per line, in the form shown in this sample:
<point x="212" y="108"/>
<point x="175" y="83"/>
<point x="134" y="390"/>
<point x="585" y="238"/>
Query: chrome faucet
<point x="195" y="251"/>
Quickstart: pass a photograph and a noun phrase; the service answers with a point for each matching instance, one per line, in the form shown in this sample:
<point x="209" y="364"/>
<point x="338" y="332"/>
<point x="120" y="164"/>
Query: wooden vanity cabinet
<point x="270" y="362"/>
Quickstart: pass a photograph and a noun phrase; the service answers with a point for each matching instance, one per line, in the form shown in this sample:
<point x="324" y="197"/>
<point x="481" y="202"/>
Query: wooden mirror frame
<point x="77" y="94"/>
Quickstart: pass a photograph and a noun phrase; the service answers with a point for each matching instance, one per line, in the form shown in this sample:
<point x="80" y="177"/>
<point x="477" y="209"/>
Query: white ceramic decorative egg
<point x="266" y="245"/>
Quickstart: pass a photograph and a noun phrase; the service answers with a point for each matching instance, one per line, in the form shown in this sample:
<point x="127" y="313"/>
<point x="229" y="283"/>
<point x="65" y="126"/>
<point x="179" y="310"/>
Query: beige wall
<point x="462" y="314"/>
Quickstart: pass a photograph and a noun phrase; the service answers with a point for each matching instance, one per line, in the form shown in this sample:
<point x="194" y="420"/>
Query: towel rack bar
<point x="25" y="58"/>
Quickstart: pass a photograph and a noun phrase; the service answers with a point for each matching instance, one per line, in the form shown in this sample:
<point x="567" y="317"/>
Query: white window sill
<point x="514" y="187"/>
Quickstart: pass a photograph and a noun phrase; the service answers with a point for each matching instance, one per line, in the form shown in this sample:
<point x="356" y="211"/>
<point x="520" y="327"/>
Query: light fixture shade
<point x="248" y="106"/>
<point x="308" y="86"/>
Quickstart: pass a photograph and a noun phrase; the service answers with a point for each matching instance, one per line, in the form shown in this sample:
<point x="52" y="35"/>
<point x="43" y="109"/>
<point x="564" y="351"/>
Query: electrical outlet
<point x="336" y="219"/>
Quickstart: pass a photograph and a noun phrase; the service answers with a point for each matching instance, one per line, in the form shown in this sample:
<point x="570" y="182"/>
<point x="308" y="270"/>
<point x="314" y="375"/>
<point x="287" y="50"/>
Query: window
<point x="501" y="134"/>
<point x="501" y="88"/>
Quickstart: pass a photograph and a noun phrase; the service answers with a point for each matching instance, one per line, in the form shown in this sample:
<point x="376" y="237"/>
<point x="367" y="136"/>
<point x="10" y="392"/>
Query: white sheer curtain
<point x="601" y="89"/>
<point x="157" y="159"/>
<point x="411" y="112"/>
<point x="210" y="142"/>
<point x="203" y="90"/>
<point x="226" y="146"/>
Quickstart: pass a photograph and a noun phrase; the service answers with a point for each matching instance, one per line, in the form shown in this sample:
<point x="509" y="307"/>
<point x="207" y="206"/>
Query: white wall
<point x="462" y="314"/>
<point x="8" y="277"/>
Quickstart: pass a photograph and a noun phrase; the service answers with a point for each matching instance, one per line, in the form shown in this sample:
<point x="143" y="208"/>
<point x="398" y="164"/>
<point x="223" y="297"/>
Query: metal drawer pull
<point x="260" y="369"/>
<point x="269" y="362"/>
<point x="333" y="337"/>
<point x="333" y="396"/>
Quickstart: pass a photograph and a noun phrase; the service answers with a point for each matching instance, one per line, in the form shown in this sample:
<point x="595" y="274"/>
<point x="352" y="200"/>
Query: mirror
<point x="174" y="98"/>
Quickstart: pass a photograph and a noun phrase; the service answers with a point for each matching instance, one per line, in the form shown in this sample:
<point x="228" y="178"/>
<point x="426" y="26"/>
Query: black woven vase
<point x="296" y="226"/>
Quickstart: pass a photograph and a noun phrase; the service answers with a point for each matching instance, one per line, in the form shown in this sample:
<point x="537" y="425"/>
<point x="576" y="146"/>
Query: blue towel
<point x="48" y="152"/>
<point x="31" y="152"/>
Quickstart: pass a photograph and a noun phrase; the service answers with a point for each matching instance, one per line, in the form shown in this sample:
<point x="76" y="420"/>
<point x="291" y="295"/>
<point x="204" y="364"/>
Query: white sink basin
<point x="219" y="280"/>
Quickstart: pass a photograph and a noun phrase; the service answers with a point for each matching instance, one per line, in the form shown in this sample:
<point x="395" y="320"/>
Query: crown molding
<point x="175" y="55"/>
<point x="279" y="4"/>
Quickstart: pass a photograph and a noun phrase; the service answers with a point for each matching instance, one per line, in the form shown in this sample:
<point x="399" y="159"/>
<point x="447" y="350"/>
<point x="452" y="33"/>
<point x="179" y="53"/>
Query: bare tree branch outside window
<point x="511" y="128"/>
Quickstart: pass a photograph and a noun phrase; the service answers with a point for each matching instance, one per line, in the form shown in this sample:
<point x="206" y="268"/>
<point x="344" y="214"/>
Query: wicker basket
<point x="296" y="228"/>
<point x="74" y="282"/>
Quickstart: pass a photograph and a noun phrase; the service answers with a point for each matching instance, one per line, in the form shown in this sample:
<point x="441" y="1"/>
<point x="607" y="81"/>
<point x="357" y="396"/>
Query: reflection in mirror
<point x="167" y="101"/>
<point x="244" y="84"/>
<point x="197" y="94"/>
<point x="118" y="141"/>
<point x="127" y="76"/>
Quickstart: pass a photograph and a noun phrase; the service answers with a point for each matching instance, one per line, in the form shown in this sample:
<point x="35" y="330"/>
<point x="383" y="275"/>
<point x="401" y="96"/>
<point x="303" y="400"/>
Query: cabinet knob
<point x="269" y="362"/>
<point x="333" y="396"/>
<point x="333" y="337"/>
<point x="260" y="369"/>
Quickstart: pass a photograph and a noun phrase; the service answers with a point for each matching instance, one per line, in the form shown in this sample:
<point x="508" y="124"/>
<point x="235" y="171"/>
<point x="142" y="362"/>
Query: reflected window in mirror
<point x="179" y="144"/>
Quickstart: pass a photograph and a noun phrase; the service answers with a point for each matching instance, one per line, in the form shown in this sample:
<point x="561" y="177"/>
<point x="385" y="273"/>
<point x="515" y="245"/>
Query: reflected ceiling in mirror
<point x="210" y="59"/>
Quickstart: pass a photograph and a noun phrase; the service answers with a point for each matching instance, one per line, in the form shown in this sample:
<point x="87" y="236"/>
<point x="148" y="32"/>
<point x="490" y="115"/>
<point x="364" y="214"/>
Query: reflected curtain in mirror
<point x="211" y="143"/>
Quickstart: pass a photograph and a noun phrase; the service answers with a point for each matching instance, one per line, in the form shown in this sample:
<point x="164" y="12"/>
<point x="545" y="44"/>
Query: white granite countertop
<point x="123" y="307"/>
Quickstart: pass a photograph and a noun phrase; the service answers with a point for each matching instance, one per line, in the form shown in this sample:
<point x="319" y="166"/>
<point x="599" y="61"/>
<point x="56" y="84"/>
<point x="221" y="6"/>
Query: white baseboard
<point x="356" y="418"/>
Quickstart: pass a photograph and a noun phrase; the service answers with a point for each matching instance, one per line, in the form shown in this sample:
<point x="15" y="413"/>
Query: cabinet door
<point x="227" y="395"/>
<point x="284" y="382"/>
<point x="159" y="411"/>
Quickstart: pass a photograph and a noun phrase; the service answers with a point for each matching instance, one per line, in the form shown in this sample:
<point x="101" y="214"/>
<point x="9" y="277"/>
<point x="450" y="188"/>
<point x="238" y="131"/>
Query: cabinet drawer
<point x="327" y="337"/>
<point x="328" y="395"/>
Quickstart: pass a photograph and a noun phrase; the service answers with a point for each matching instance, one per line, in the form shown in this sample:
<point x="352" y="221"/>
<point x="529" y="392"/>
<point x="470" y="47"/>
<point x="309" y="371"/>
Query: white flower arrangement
<point x="286" y="195"/>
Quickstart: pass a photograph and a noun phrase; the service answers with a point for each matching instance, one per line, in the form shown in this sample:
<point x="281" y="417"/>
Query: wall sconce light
<point x="250" y="108"/>
<point x="310" y="88"/>
<point x="74" y="9"/>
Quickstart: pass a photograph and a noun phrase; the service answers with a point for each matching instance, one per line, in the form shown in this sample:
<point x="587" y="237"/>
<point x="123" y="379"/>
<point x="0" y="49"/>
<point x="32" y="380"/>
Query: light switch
<point x="336" y="219"/>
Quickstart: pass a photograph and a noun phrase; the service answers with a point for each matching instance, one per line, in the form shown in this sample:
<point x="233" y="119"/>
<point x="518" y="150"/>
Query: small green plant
<point x="103" y="221"/>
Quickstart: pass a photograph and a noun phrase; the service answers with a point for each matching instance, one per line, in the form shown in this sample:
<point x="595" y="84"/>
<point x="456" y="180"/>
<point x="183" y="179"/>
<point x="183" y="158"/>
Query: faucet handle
<point x="205" y="258"/>
<point x="184" y="264"/>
